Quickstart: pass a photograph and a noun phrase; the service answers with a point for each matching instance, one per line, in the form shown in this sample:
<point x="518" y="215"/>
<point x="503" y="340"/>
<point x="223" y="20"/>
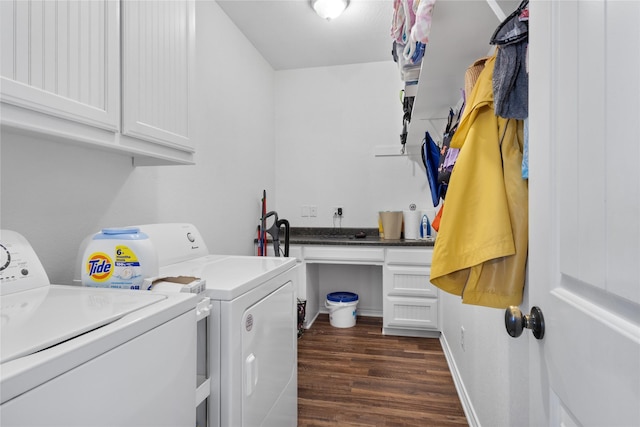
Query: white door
<point x="584" y="270"/>
<point x="269" y="354"/>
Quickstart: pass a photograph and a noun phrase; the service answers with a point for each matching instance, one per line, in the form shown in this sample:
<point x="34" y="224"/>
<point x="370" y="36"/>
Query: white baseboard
<point x="465" y="400"/>
<point x="308" y="323"/>
<point x="408" y="332"/>
<point x="366" y="312"/>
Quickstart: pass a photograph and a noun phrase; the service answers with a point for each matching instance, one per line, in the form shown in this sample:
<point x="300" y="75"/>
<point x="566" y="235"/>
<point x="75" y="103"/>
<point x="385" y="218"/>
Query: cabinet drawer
<point x="409" y="256"/>
<point x="408" y="281"/>
<point x="410" y="312"/>
<point x="344" y="254"/>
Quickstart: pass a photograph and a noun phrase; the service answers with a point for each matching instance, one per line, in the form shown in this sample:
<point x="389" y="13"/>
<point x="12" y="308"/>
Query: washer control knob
<point x="5" y="257"/>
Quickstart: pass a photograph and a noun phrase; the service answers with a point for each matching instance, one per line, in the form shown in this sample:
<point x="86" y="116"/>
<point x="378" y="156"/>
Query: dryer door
<point x="269" y="354"/>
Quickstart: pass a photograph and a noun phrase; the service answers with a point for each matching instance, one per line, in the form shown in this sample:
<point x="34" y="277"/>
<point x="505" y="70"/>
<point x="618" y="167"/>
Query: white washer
<point x="77" y="356"/>
<point x="253" y="327"/>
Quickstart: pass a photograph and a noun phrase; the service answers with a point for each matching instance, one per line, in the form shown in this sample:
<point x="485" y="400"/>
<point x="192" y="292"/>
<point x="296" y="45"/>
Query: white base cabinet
<point x="410" y="302"/>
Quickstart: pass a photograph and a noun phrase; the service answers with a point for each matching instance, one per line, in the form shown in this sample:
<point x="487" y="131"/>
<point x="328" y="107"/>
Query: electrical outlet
<point x="462" y="337"/>
<point x="313" y="211"/>
<point x="338" y="212"/>
<point x="304" y="211"/>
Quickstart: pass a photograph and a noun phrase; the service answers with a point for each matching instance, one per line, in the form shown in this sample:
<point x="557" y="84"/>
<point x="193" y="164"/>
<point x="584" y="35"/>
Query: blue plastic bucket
<point x="342" y="308"/>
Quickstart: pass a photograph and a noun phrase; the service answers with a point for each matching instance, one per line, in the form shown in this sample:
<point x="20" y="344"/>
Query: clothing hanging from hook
<point x="510" y="76"/>
<point x="481" y="249"/>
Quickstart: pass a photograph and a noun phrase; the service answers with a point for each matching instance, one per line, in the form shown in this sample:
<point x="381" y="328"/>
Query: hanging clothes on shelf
<point x="422" y="26"/>
<point x="481" y="249"/>
<point x="430" y="157"/>
<point x="397" y="22"/>
<point x="448" y="155"/>
<point x="410" y="29"/>
<point x="407" y="107"/>
<point x="411" y="20"/>
<point x="510" y="77"/>
<point x="511" y="74"/>
<point x="472" y="73"/>
<point x="511" y="82"/>
<point x="407" y="55"/>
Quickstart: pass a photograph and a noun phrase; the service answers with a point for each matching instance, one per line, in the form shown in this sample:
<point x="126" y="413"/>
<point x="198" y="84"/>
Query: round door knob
<point x="516" y="322"/>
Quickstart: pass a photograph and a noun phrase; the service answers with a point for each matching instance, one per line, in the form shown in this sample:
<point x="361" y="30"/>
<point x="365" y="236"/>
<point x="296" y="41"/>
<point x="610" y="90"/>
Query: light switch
<point x="304" y="212"/>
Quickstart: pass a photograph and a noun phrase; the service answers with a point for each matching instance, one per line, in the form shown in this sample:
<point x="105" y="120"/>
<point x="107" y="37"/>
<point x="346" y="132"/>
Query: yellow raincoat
<point x="481" y="248"/>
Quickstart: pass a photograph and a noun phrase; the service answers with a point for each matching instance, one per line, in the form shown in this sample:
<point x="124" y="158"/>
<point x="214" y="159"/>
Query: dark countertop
<point x="346" y="237"/>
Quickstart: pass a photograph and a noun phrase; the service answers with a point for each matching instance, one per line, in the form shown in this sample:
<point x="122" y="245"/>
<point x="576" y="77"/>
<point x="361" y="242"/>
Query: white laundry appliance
<point x="252" y="329"/>
<point x="75" y="356"/>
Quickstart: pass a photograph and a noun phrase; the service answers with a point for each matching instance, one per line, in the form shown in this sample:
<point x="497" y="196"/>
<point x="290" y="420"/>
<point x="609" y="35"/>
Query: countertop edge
<point x="329" y="236"/>
<point x="360" y="242"/>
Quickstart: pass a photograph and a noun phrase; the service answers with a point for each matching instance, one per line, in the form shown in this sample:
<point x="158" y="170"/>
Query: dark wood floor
<point x="359" y="377"/>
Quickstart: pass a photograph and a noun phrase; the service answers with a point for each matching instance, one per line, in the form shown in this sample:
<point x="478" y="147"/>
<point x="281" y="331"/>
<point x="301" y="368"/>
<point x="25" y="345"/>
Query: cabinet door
<point x="158" y="51"/>
<point x="62" y="59"/>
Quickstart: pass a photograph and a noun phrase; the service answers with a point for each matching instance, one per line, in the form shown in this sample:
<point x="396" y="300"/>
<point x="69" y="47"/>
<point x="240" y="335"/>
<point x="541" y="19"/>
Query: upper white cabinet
<point x="158" y="39"/>
<point x="61" y="69"/>
<point x="62" y="59"/>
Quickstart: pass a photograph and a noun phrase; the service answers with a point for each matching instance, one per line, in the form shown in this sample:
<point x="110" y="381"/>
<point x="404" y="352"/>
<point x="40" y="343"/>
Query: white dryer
<point x="77" y="356"/>
<point x="252" y="331"/>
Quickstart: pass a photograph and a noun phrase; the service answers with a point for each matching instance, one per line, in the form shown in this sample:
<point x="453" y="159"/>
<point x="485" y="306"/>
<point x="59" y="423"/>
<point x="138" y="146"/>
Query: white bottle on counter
<point x="119" y="258"/>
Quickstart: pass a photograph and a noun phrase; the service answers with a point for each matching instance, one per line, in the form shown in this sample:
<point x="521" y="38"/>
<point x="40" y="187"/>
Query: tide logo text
<point x="99" y="267"/>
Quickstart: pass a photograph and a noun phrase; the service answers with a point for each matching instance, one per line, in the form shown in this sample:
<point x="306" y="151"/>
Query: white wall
<point x="328" y="121"/>
<point x="56" y="194"/>
<point x="492" y="365"/>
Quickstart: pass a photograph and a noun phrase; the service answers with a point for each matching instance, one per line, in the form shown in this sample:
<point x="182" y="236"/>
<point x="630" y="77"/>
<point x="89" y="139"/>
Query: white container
<point x="412" y="224"/>
<point x="119" y="258"/>
<point x="342" y="308"/>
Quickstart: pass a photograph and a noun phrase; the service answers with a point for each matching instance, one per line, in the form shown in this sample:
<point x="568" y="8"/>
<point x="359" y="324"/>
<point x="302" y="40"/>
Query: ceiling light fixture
<point x="329" y="9"/>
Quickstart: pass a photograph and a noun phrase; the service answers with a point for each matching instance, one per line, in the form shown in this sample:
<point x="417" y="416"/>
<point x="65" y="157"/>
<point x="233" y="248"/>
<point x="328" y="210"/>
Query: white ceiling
<point x="290" y="35"/>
